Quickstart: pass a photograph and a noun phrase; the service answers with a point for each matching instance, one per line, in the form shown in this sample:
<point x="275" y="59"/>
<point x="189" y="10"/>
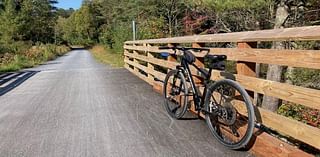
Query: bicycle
<point x="226" y="105"/>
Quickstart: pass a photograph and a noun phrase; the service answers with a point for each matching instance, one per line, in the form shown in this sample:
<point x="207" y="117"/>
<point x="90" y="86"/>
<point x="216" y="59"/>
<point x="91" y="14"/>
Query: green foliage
<point x="9" y="23"/>
<point x="104" y="55"/>
<point x="152" y="28"/>
<point x="305" y="77"/>
<point x="30" y="56"/>
<point x="301" y="113"/>
<point x="64" y="13"/>
<point x="80" y="28"/>
<point x="227" y="5"/>
<point x="106" y="36"/>
<point x="120" y="34"/>
<point x="37" y="21"/>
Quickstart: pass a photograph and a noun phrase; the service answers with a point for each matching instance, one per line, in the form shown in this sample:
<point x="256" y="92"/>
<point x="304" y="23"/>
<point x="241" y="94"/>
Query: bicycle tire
<point x="215" y="123"/>
<point x="178" y="111"/>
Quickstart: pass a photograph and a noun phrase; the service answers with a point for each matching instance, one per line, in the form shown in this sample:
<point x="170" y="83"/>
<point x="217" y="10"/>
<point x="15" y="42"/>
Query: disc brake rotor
<point x="228" y="113"/>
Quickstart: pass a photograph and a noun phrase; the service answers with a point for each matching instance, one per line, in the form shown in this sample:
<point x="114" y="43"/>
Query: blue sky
<point x="66" y="4"/>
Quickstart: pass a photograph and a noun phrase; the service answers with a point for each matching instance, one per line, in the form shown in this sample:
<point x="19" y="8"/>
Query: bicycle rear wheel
<point x="230" y="116"/>
<point x="175" y="92"/>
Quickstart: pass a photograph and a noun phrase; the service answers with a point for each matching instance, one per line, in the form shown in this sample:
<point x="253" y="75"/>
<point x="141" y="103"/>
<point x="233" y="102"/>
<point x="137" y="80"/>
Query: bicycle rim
<point x="175" y="93"/>
<point x="231" y="114"/>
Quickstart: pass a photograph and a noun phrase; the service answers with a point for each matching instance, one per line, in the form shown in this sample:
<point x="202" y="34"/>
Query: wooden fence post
<point x="126" y="58"/>
<point x="247" y="68"/>
<point x="171" y="57"/>
<point x="135" y="60"/>
<point x="199" y="61"/>
<point x="149" y="65"/>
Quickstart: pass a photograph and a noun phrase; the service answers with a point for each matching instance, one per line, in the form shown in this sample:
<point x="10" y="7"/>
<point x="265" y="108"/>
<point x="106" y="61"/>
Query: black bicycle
<point x="226" y="105"/>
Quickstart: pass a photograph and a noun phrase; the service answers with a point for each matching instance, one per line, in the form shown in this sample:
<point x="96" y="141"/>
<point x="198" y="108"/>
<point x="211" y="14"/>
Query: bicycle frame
<point x="198" y="99"/>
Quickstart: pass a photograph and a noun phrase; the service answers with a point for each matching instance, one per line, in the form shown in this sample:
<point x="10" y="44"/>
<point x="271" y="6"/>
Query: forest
<point x="108" y="22"/>
<point x="33" y="31"/>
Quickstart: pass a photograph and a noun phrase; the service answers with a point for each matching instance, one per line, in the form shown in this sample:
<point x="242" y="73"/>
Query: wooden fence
<point x="142" y="59"/>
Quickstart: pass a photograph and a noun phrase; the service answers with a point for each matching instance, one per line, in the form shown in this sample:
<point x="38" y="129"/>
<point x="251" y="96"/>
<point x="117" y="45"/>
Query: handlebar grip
<point x="164" y="47"/>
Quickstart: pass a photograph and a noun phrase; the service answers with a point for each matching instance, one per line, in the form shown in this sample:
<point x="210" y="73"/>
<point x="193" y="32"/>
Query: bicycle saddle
<point x="216" y="58"/>
<point x="216" y="61"/>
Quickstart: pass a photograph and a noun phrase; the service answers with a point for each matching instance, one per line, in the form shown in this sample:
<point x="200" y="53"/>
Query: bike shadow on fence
<point x="11" y="80"/>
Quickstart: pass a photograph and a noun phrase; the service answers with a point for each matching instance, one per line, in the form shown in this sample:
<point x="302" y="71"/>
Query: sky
<point x="66" y="4"/>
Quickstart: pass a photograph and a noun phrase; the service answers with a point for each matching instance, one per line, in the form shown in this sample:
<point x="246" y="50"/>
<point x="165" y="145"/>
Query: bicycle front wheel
<point x="175" y="92"/>
<point x="230" y="115"/>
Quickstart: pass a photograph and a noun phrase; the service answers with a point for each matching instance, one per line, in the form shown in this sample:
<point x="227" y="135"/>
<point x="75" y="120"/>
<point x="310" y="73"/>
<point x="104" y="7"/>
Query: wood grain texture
<point x="147" y="70"/>
<point x="300" y="95"/>
<point x="156" y="61"/>
<point x="293" y="58"/>
<point x="246" y="68"/>
<point x="298" y="34"/>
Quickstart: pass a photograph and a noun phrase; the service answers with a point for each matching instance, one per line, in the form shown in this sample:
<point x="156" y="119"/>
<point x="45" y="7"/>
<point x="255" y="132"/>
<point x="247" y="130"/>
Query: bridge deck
<point x="76" y="107"/>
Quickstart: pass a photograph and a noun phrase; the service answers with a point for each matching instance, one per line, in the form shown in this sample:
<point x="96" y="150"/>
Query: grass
<point x="30" y="57"/>
<point x="106" y="56"/>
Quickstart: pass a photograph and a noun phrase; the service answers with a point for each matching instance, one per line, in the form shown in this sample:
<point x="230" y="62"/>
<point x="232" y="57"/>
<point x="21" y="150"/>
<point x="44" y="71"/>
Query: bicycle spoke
<point x="232" y="126"/>
<point x="234" y="131"/>
<point x="174" y="110"/>
<point x="214" y="99"/>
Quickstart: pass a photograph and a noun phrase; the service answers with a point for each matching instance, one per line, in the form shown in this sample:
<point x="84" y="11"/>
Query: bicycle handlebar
<point x="183" y="48"/>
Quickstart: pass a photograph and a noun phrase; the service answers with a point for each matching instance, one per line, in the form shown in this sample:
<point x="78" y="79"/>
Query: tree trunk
<point x="275" y="71"/>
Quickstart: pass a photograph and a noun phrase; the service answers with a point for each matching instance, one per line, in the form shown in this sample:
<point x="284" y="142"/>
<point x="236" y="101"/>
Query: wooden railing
<point x="142" y="59"/>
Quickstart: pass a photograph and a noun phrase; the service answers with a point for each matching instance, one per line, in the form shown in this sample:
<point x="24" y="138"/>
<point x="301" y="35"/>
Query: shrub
<point x="301" y="113"/>
<point x="309" y="78"/>
<point x="30" y="57"/>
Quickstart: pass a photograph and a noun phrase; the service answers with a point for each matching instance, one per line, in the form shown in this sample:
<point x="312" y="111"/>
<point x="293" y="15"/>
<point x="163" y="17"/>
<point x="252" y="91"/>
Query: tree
<point x="289" y="13"/>
<point x="216" y="16"/>
<point x="9" y="23"/>
<point x="38" y="20"/>
<point x="1" y="5"/>
<point x="64" y="13"/>
<point x="172" y="11"/>
<point x="81" y="27"/>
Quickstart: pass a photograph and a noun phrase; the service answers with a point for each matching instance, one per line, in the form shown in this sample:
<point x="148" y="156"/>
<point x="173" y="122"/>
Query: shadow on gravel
<point x="9" y="81"/>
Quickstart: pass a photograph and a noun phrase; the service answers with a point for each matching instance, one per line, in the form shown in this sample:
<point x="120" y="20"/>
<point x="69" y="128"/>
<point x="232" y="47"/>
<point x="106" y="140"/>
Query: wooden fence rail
<point x="142" y="59"/>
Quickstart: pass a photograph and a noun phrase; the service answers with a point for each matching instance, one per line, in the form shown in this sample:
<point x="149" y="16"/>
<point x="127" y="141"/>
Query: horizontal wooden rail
<point x="305" y="96"/>
<point x="300" y="95"/>
<point x="293" y="58"/>
<point x="156" y="61"/>
<point x="139" y="56"/>
<point x="155" y="74"/>
<point x="277" y="122"/>
<point x="297" y="34"/>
